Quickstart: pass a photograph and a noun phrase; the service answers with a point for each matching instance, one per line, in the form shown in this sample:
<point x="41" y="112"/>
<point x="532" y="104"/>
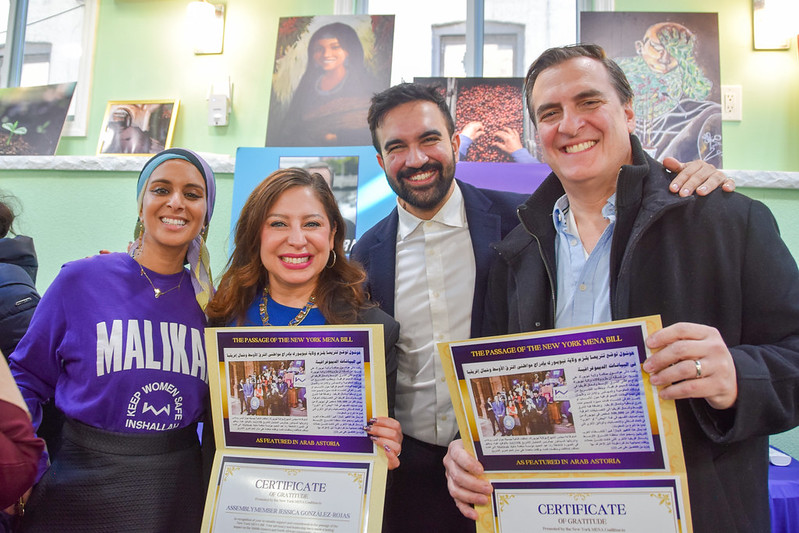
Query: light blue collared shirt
<point x="583" y="280"/>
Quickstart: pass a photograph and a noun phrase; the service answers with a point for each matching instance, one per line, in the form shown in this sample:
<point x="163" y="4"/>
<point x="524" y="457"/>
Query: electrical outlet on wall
<point x="731" y="102"/>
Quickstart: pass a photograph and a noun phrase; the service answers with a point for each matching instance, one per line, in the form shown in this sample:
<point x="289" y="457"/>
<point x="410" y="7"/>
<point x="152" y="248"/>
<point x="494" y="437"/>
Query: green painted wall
<point x="75" y="214"/>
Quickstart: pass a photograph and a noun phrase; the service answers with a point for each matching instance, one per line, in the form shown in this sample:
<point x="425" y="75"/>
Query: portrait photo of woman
<point x="326" y="71"/>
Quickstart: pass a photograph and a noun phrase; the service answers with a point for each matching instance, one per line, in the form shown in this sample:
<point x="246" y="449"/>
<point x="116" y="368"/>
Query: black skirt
<point x="103" y="481"/>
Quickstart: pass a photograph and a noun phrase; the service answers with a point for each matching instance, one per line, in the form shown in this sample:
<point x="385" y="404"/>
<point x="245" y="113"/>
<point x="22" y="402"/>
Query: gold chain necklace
<point x="294" y="321"/>
<point x="158" y="292"/>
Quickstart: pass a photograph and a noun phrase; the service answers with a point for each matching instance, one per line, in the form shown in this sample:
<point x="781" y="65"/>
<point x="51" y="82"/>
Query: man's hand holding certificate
<point x="583" y="441"/>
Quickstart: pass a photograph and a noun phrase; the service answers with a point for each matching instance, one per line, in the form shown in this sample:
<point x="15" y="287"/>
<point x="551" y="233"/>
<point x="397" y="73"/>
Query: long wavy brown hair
<point x="339" y="290"/>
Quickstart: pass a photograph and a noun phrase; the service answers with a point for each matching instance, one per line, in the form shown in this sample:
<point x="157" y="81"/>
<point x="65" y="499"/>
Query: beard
<point x="427" y="197"/>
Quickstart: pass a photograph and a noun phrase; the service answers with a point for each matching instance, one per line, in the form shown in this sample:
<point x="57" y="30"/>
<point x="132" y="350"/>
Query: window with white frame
<point x="503" y="50"/>
<point x="433" y="38"/>
<point x="475" y="38"/>
<point x="56" y="39"/>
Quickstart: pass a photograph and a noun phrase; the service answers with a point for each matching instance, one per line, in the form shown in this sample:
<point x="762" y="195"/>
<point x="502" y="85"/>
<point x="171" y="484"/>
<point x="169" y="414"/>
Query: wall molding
<point x="219" y="163"/>
<point x="225" y="164"/>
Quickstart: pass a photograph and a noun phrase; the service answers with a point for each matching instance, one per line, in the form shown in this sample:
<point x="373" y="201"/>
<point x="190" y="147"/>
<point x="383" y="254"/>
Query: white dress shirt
<point x="433" y="303"/>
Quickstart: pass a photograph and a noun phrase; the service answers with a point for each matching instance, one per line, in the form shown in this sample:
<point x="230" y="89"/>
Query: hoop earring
<point x="334" y="259"/>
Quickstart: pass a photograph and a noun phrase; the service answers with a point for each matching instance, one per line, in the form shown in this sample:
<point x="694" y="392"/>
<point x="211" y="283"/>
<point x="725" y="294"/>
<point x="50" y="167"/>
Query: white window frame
<point x="510" y="30"/>
<point x="76" y="124"/>
<point x="475" y="13"/>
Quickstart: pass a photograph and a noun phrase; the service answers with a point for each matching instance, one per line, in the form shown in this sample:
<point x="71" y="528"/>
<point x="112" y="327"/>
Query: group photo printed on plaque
<point x="289" y="407"/>
<point x="571" y="434"/>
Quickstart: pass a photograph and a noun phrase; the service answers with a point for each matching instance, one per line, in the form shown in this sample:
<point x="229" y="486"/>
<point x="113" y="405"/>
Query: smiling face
<point x="329" y="54"/>
<point x="418" y="156"/>
<point x="582" y="124"/>
<point x="296" y="240"/>
<point x="173" y="207"/>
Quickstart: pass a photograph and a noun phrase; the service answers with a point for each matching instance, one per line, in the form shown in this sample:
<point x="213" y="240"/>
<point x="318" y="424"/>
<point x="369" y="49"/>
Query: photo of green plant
<point x="31" y="118"/>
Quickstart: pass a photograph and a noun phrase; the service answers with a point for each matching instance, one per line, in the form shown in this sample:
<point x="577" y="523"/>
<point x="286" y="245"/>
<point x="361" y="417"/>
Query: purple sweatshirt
<point x="111" y="354"/>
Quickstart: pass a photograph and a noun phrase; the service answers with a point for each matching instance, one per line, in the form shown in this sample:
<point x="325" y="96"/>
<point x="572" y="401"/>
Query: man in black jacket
<point x="728" y="295"/>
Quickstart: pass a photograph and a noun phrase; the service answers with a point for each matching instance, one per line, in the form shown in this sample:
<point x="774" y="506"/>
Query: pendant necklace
<point x="158" y="292"/>
<point x="294" y="321"/>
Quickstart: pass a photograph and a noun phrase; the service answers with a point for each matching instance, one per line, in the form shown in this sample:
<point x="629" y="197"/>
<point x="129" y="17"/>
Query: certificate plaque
<point x="619" y="505"/>
<point x="289" y="407"/>
<point x="569" y="429"/>
<point x="260" y="494"/>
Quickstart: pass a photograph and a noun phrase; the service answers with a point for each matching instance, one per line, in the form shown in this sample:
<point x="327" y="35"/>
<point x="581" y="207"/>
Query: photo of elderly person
<point x="345" y="197"/>
<point x="137" y="128"/>
<point x="344" y="63"/>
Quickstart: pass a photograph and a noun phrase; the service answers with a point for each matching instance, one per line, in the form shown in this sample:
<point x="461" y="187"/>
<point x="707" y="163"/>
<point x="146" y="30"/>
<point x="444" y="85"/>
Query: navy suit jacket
<point x="490" y="215"/>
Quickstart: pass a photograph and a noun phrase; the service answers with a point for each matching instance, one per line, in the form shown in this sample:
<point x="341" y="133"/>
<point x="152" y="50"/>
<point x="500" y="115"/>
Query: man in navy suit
<point x="433" y="249"/>
<point x="427" y="264"/>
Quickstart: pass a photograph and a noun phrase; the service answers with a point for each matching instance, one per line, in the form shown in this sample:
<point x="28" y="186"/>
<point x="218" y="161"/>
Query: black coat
<point x="716" y="260"/>
<point x="18" y="296"/>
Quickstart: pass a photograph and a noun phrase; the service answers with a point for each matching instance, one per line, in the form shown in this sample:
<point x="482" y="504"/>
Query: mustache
<point x="405" y="173"/>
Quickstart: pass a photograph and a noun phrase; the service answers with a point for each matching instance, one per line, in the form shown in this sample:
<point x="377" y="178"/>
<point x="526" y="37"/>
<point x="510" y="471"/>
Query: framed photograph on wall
<point x="137" y="126"/>
<point x="327" y="68"/>
<point x="31" y="118"/>
<point x="491" y="118"/>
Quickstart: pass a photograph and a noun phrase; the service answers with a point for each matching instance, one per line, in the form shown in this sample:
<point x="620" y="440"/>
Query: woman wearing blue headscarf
<point x="117" y="342"/>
